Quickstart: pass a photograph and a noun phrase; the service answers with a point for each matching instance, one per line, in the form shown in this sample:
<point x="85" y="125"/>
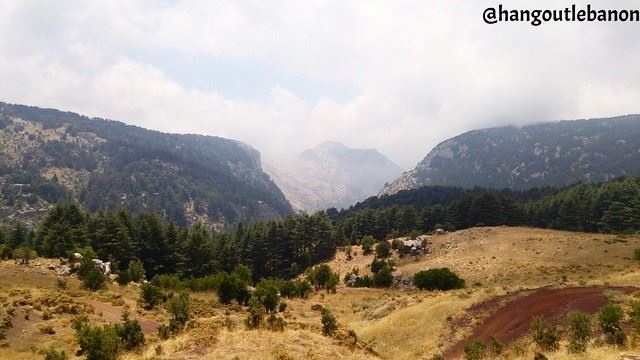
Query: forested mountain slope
<point x="548" y="154"/>
<point x="47" y="156"/>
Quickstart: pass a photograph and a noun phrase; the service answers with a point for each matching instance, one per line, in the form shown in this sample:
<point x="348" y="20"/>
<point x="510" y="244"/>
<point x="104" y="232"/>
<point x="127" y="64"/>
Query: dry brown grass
<point x="393" y="323"/>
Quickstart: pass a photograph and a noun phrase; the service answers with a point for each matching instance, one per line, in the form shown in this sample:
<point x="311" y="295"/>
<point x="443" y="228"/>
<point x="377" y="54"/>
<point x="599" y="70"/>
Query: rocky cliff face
<point x="333" y="175"/>
<point x="548" y="154"/>
<point x="47" y="156"/>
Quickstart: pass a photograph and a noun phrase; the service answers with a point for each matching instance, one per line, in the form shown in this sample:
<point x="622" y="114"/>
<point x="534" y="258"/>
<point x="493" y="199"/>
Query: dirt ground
<point x="510" y="321"/>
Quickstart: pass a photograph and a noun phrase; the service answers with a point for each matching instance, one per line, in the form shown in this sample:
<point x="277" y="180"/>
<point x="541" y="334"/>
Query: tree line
<point x="287" y="247"/>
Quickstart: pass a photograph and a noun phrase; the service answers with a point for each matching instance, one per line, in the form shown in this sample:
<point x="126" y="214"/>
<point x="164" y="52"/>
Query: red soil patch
<point x="510" y="319"/>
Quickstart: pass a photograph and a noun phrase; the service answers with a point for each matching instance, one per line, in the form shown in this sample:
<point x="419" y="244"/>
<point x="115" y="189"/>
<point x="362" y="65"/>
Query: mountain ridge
<point x="537" y="155"/>
<point x="105" y="164"/>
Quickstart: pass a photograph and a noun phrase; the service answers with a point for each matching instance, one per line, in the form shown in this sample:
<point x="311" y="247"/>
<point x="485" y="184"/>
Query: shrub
<point x="168" y="281"/>
<point x="267" y="294"/>
<point x="173" y="282"/>
<point x="475" y="350"/>
<point x="256" y="313"/>
<point x="53" y="354"/>
<point x="136" y="270"/>
<point x="609" y="318"/>
<point x="383" y="249"/>
<point x="92" y="277"/>
<point x="295" y="288"/>
<point x="634" y="316"/>
<point x="23" y="254"/>
<point x="397" y="244"/>
<point x="376" y="265"/>
<point x="437" y="279"/>
<point x="539" y="356"/>
<point x="322" y="276"/>
<point x="129" y="332"/>
<point x="495" y="346"/>
<point x="580" y="328"/>
<point x="150" y="296"/>
<point x="178" y="307"/>
<point x="282" y="307"/>
<point x="96" y="343"/>
<point x="276" y="323"/>
<point x="233" y="287"/>
<point x="303" y="288"/>
<point x="545" y="336"/>
<point x="384" y="277"/>
<point x="123" y="278"/>
<point x="367" y="244"/>
<point x="332" y="283"/>
<point x="636" y="254"/>
<point x="329" y="323"/>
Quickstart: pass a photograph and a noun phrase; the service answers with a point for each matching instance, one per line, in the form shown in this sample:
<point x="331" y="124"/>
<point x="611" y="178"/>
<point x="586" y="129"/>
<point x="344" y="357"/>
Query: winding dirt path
<point x="512" y="320"/>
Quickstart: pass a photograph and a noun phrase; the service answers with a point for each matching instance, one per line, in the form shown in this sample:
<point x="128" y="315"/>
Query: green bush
<point x="322" y="276"/>
<point x="580" y="328"/>
<point x="256" y="313"/>
<point x="383" y="278"/>
<point x="179" y="308"/>
<point x="267" y="293"/>
<point x="634" y="316"/>
<point x="150" y="296"/>
<point x="53" y="354"/>
<point x="544" y="335"/>
<point x="123" y="278"/>
<point x="383" y="249"/>
<point x="329" y="323"/>
<point x="367" y="244"/>
<point x="276" y="323"/>
<point x="136" y="270"/>
<point x="282" y="307"/>
<point x="233" y="287"/>
<point x="92" y="277"/>
<point x="475" y="350"/>
<point x="173" y="282"/>
<point x="129" y="332"/>
<point x="609" y="318"/>
<point x="295" y="288"/>
<point x="23" y="254"/>
<point x="96" y="343"/>
<point x="437" y="279"/>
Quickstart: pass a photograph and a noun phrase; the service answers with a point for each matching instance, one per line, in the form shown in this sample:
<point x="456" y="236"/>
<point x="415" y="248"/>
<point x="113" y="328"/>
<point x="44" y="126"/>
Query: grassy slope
<point x="396" y="324"/>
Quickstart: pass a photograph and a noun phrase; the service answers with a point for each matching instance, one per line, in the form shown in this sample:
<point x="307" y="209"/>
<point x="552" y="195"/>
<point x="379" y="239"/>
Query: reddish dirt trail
<point x="114" y="314"/>
<point x="512" y="320"/>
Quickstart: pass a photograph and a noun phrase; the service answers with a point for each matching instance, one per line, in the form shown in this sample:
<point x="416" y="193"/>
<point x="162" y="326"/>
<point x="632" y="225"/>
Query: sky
<point x="399" y="76"/>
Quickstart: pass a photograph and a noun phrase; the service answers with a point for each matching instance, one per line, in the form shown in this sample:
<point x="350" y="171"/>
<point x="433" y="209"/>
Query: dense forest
<point x="287" y="247"/>
<point x="610" y="207"/>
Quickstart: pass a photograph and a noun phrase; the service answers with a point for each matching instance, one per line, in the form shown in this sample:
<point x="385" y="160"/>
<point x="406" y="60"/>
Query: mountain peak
<point x="333" y="175"/>
<point x="330" y="145"/>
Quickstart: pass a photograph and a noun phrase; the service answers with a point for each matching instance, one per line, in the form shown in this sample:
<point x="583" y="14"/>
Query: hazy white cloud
<point x="420" y="71"/>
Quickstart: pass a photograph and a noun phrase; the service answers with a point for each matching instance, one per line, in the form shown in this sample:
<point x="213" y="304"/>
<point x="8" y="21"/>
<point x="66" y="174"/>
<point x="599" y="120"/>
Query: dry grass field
<point x="389" y="323"/>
